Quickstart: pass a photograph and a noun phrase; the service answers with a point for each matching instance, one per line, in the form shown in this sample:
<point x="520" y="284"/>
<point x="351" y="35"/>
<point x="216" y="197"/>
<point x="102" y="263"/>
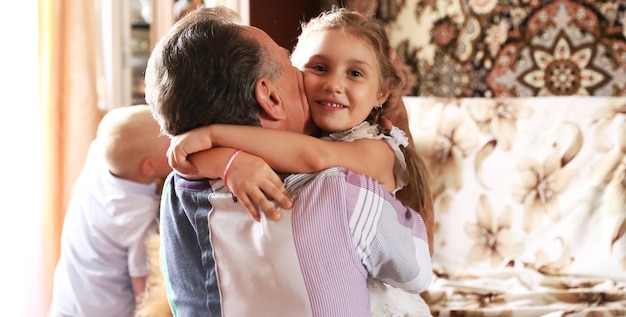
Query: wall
<point x="511" y="48"/>
<point x="281" y="18"/>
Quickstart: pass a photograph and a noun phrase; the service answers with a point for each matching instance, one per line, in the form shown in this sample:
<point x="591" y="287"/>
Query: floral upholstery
<point x="498" y="48"/>
<point x="530" y="204"/>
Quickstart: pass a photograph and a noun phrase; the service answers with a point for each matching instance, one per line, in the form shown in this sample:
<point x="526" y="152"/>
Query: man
<point x="343" y="227"/>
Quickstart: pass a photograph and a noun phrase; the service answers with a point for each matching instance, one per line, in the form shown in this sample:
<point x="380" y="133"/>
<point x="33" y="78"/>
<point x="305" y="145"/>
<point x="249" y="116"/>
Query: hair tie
<point x="230" y="162"/>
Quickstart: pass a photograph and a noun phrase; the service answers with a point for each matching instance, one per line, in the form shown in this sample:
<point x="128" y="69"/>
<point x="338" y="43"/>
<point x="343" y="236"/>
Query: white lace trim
<point x="366" y="130"/>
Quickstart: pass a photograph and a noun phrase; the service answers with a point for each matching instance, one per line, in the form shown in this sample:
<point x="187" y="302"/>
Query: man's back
<point x="313" y="262"/>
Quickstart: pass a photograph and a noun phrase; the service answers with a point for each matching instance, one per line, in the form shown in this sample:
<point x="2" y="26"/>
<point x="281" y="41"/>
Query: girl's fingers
<point x="279" y="194"/>
<point x="270" y="195"/>
<point x="268" y="207"/>
<point x="259" y="187"/>
<point x="178" y="161"/>
<point x="245" y="201"/>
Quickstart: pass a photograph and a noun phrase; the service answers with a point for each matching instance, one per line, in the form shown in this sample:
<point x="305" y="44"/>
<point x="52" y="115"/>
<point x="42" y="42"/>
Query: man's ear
<point x="268" y="97"/>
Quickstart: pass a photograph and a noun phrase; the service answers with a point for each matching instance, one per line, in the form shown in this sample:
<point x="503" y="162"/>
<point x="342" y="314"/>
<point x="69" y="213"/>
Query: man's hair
<point x="204" y="72"/>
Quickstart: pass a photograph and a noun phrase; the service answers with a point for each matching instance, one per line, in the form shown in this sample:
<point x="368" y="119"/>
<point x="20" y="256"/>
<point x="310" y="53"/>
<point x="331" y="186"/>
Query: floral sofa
<point x="530" y="204"/>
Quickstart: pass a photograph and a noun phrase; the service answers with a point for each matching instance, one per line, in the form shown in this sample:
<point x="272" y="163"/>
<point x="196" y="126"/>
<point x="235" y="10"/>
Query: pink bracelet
<point x="230" y="162"/>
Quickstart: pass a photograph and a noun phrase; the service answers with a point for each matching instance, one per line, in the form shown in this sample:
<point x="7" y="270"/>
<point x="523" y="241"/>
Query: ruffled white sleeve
<point x="397" y="137"/>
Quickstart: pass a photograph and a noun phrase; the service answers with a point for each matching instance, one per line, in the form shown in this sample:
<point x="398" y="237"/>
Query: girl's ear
<point x="382" y="95"/>
<point x="269" y="99"/>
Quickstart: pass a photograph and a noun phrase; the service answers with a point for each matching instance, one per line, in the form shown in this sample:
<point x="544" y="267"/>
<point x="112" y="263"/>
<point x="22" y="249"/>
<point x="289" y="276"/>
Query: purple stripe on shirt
<point x="314" y="219"/>
<point x="406" y="216"/>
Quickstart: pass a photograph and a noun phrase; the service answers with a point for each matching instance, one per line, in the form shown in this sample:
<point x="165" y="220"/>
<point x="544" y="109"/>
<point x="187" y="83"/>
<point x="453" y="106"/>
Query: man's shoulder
<point x="296" y="182"/>
<point x="176" y="181"/>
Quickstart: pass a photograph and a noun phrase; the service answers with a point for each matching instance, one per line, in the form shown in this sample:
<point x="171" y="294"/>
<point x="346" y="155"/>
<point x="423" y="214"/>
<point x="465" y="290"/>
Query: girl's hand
<point x="255" y="183"/>
<point x="183" y="145"/>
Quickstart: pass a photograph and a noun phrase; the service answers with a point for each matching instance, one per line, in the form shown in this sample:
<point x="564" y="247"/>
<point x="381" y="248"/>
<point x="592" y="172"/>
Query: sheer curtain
<point x="49" y="117"/>
<point x="69" y="60"/>
<point x="20" y="159"/>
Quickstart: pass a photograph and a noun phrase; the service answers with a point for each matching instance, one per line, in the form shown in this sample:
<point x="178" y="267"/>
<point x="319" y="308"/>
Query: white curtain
<point x="241" y="6"/>
<point x="20" y="227"/>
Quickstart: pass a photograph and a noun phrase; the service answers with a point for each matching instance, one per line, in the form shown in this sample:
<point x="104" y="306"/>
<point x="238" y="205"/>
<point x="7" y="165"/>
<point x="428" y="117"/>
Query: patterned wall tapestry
<point x="510" y="48"/>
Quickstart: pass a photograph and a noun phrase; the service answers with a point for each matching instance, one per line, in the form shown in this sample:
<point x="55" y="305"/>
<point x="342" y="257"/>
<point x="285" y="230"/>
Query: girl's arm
<point x="289" y="152"/>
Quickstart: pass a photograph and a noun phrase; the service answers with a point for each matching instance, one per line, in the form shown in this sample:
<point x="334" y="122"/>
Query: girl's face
<point x="342" y="80"/>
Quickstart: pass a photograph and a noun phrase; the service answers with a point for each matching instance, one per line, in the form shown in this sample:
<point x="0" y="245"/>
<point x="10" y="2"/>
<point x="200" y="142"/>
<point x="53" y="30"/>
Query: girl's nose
<point x="334" y="84"/>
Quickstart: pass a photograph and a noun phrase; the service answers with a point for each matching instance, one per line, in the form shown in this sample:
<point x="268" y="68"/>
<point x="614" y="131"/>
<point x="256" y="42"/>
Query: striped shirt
<point x="315" y="261"/>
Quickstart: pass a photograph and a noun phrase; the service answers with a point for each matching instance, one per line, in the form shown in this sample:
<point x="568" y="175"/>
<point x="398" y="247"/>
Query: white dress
<point x="386" y="300"/>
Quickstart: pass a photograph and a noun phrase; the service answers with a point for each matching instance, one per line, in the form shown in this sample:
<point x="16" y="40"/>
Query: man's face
<point x="290" y="86"/>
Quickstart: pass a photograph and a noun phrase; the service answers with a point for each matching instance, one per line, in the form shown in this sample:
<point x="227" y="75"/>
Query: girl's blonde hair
<point x="417" y="192"/>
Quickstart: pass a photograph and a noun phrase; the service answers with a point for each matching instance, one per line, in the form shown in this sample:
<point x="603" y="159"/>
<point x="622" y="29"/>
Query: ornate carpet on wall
<point x="503" y="48"/>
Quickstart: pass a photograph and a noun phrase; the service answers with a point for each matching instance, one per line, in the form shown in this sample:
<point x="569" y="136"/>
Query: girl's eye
<point x="319" y="68"/>
<point x="356" y="73"/>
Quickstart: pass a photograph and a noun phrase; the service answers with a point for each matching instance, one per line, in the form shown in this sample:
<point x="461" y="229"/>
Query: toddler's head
<point x="133" y="145"/>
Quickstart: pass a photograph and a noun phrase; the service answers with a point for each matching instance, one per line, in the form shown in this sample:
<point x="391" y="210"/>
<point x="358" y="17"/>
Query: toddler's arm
<point x="139" y="287"/>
